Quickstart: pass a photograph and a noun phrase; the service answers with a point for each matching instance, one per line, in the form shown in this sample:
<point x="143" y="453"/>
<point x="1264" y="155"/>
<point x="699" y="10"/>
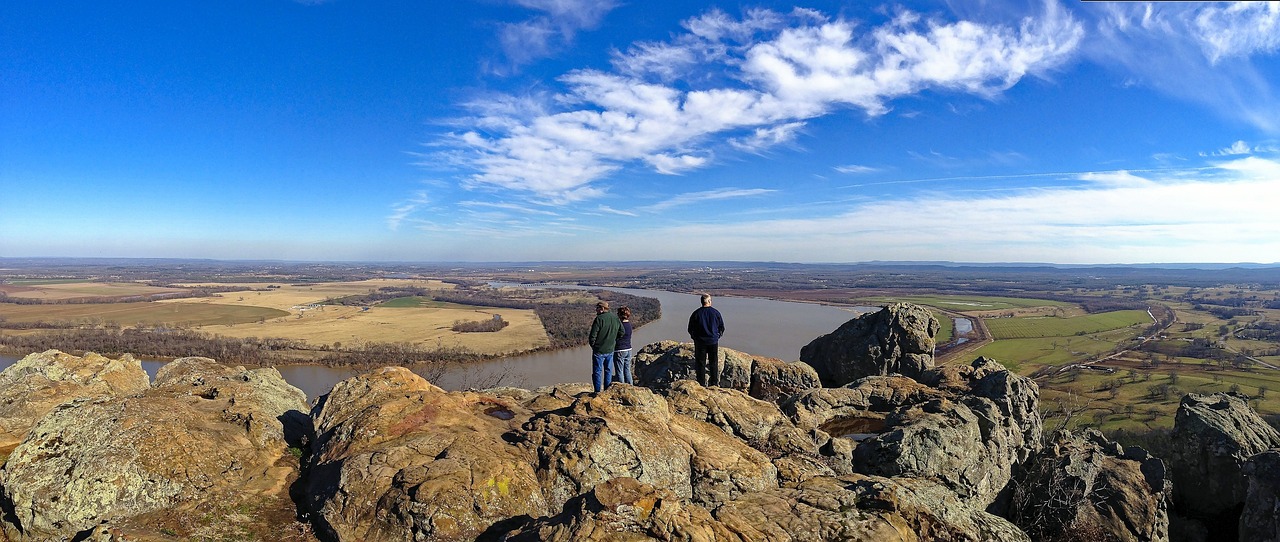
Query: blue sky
<point x="523" y="130"/>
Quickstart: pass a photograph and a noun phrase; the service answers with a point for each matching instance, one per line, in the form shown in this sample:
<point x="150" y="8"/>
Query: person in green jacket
<point x="603" y="338"/>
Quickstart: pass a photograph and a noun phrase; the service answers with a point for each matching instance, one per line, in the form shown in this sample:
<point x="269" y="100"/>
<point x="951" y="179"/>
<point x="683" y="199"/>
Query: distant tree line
<point x="569" y="324"/>
<point x="480" y="326"/>
<point x="381" y="294"/>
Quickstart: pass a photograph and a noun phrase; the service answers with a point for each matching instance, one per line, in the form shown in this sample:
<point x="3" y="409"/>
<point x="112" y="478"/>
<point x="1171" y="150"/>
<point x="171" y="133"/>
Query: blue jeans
<point x="601" y="366"/>
<point x="622" y="366"/>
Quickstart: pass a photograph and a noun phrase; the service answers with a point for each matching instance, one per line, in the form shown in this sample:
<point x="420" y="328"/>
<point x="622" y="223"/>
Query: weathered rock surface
<point x="1213" y="436"/>
<point x="661" y="364"/>
<point x="898" y="339"/>
<point x="1260" y="519"/>
<point x="629" y="431"/>
<point x="1083" y="486"/>
<point x="968" y="435"/>
<point x="36" y="384"/>
<point x="820" y="509"/>
<point x="205" y="436"/>
<point x="397" y="458"/>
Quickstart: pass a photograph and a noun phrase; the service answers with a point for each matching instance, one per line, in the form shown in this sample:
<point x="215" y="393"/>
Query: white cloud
<point x="767" y="136"/>
<point x="404" y="209"/>
<point x="709" y="195"/>
<point x="556" y="27"/>
<point x="1224" y="215"/>
<point x="788" y="68"/>
<point x="612" y="211"/>
<point x="1200" y="52"/>
<point x="855" y="169"/>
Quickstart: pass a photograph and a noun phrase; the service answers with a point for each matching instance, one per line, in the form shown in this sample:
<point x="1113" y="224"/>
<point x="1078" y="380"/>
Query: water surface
<point x="758" y="326"/>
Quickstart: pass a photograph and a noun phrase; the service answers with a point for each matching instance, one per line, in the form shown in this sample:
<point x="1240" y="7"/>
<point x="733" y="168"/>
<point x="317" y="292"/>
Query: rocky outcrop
<point x="1083" y="486"/>
<point x="1260" y="519"/>
<point x="968" y="434"/>
<point x="205" y="436"/>
<point x="820" y="509"/>
<point x="629" y="431"/>
<point x="397" y="458"/>
<point x="1213" y="436"/>
<point x="36" y="384"/>
<point x="660" y="365"/>
<point x="898" y="339"/>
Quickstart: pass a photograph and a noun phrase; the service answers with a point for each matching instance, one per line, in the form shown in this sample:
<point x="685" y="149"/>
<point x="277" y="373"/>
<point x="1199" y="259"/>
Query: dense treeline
<point x="569" y="324"/>
<point x="480" y="326"/>
<point x="484" y="298"/>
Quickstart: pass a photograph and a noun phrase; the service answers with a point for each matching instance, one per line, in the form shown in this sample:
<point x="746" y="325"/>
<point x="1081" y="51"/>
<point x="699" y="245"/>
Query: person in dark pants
<point x="603" y="338"/>
<point x="622" y="351"/>
<point x="705" y="328"/>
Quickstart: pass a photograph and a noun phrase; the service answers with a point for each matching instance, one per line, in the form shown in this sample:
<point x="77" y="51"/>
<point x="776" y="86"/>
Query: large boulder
<point x="630" y="431"/>
<point x="1213" y="436"/>
<point x="30" y="388"/>
<point x="1083" y="486"/>
<point x="206" y="437"/>
<point x="1260" y="519"/>
<point x="969" y="434"/>
<point x="661" y="364"/>
<point x="397" y="458"/>
<point x="897" y="339"/>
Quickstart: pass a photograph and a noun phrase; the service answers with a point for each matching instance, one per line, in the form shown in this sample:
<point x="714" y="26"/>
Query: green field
<point x="947" y="329"/>
<point x="970" y="303"/>
<point x="1024" y="356"/>
<point x="1048" y="326"/>
<point x="419" y="302"/>
<point x="128" y="314"/>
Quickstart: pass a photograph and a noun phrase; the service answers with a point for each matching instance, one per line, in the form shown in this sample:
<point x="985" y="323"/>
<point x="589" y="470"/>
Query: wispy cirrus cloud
<point x="855" y="169"/>
<point x="1241" y="148"/>
<point x="742" y="84"/>
<point x="552" y="29"/>
<point x="1200" y="52"/>
<point x="404" y="209"/>
<point x="692" y="198"/>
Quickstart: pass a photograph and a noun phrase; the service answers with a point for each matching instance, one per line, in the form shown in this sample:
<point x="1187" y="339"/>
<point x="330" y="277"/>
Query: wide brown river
<point x="754" y="325"/>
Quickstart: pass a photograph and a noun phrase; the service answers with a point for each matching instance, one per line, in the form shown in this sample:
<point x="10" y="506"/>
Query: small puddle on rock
<point x="500" y="413"/>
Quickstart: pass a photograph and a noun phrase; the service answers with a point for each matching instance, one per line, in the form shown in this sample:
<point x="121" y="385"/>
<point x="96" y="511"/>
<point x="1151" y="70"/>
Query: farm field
<point x="1047" y="326"/>
<point x="405" y="321"/>
<point x="141" y="313"/>
<point x="964" y="303"/>
<point x="79" y="289"/>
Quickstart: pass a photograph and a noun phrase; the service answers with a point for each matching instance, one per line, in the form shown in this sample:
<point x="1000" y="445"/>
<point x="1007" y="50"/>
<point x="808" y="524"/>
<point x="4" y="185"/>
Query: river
<point x="758" y="326"/>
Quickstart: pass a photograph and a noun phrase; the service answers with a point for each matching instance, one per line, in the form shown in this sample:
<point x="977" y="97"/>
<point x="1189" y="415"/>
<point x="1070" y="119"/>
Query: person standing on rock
<point x="705" y="328"/>
<point x="622" y="351"/>
<point x="603" y="339"/>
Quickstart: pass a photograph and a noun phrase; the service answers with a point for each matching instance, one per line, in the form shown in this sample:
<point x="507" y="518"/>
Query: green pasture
<point x="964" y="303"/>
<point x="1024" y="356"/>
<point x="1135" y="407"/>
<point x="129" y="314"/>
<point x="946" y="329"/>
<point x="419" y="302"/>
<point x="1051" y="326"/>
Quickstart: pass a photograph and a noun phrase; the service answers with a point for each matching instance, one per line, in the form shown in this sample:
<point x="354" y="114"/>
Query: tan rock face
<point x="36" y="384"/>
<point x="220" y="437"/>
<point x="660" y="365"/>
<point x="895" y="340"/>
<point x="397" y="457"/>
<point x="1082" y="484"/>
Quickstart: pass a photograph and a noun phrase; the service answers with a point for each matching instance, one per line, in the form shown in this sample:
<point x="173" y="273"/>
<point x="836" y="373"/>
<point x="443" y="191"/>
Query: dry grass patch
<point x="425" y="327"/>
<point x="79" y="290"/>
<point x="288" y="296"/>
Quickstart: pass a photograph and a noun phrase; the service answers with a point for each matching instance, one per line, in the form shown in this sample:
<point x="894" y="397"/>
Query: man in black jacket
<point x="705" y="328"/>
